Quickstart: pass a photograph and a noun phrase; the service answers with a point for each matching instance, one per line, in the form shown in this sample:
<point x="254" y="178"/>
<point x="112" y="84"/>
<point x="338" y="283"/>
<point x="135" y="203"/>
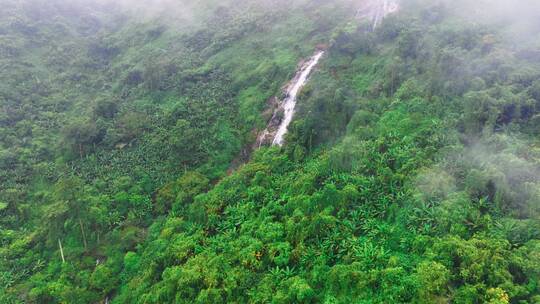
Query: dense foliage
<point x="411" y="172"/>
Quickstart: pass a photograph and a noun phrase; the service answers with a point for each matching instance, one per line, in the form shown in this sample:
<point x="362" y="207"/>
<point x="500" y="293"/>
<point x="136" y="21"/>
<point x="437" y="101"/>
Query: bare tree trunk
<point x="83" y="235"/>
<point x="61" y="251"/>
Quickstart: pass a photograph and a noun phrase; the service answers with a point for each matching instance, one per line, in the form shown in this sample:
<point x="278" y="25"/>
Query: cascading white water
<point x="377" y="10"/>
<point x="289" y="102"/>
<point x="372" y="10"/>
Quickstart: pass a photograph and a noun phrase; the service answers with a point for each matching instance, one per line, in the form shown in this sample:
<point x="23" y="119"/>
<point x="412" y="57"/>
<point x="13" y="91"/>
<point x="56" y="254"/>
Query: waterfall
<point x="376" y="10"/>
<point x="289" y="102"/>
<point x="372" y="10"/>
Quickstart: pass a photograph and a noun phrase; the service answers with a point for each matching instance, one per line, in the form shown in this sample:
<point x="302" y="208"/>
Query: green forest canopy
<point x="411" y="171"/>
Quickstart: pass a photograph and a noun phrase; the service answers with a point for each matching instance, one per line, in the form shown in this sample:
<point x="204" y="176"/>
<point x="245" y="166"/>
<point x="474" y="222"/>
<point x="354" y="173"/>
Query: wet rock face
<point x="273" y="115"/>
<point x="266" y="137"/>
<point x="279" y="112"/>
<point x="289" y="103"/>
<point x="376" y="10"/>
<point x="283" y="109"/>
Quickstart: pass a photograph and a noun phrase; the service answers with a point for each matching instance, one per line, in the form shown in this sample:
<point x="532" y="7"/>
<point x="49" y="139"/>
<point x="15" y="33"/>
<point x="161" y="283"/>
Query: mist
<point x="132" y="166"/>
<point x="520" y="19"/>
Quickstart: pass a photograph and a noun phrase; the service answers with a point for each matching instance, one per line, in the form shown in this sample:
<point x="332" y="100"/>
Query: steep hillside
<point x="408" y="174"/>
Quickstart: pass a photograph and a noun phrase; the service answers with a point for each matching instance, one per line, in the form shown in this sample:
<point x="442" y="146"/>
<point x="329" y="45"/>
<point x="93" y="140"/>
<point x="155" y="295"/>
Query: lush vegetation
<point x="411" y="172"/>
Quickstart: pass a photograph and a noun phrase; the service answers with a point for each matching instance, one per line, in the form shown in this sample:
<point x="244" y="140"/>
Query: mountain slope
<point x="409" y="173"/>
